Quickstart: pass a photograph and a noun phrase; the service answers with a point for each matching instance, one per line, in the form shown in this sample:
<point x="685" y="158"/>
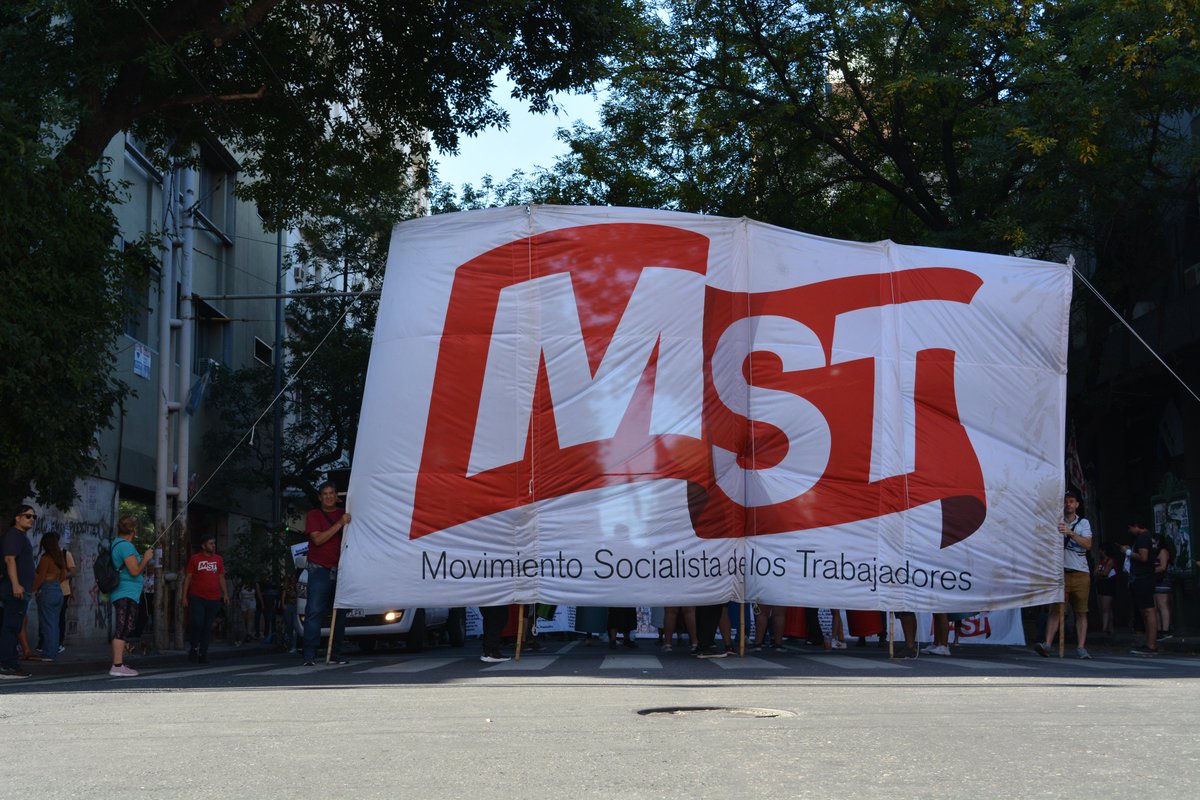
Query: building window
<point x="211" y="341"/>
<point x="263" y="352"/>
<point x="137" y="312"/>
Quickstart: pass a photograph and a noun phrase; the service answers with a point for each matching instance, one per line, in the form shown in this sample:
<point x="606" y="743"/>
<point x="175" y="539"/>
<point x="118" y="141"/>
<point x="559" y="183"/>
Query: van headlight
<point x="393" y="616"/>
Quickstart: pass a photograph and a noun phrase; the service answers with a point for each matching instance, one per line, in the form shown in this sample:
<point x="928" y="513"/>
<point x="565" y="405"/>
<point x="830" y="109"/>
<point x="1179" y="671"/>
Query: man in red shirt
<point x="324" y="527"/>
<point x="204" y="590"/>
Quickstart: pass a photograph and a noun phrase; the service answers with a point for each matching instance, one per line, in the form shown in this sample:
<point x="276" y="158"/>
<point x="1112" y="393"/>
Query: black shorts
<point x="1142" y="590"/>
<point x="1107" y="587"/>
<point x="125" y="615"/>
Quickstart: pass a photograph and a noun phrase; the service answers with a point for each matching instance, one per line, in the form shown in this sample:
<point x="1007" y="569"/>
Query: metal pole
<point x="186" y="330"/>
<point x="277" y="408"/>
<point x="166" y="407"/>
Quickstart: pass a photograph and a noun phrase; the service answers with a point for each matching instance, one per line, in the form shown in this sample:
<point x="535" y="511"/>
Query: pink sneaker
<point x="123" y="672"/>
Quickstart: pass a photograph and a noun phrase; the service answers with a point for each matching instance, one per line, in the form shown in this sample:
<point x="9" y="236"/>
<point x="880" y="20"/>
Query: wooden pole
<point x="891" y="637"/>
<point x="520" y="628"/>
<point x="332" y="628"/>
<point x="741" y="630"/>
<point x="1062" y="634"/>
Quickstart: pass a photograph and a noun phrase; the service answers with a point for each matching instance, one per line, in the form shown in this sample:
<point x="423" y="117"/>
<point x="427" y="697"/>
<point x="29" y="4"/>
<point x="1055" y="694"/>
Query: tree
<point x="996" y="125"/>
<point x="327" y="349"/>
<point x="327" y="103"/>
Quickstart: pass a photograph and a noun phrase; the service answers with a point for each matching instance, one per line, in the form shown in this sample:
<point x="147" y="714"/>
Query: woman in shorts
<point x="128" y="594"/>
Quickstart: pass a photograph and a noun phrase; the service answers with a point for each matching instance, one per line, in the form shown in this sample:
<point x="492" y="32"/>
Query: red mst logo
<point x="597" y="356"/>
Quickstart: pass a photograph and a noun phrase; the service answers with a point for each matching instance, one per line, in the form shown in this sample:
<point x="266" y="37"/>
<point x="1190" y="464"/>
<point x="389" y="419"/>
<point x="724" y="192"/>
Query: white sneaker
<point x="123" y="672"/>
<point x="838" y="645"/>
<point x="493" y="659"/>
<point x="936" y="650"/>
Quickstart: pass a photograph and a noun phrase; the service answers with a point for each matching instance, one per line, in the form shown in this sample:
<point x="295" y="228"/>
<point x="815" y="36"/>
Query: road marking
<point x="566" y="648"/>
<point x="302" y="670"/>
<point x="749" y="662"/>
<point x="417" y="665"/>
<point x="526" y="664"/>
<point x="176" y="673"/>
<point x="851" y="662"/>
<point x="36" y="681"/>
<point x="971" y="663"/>
<point x="1104" y="665"/>
<point x="631" y="662"/>
<point x="1178" y="662"/>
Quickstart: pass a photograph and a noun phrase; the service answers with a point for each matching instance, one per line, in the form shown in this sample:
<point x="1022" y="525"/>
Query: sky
<point x="527" y="143"/>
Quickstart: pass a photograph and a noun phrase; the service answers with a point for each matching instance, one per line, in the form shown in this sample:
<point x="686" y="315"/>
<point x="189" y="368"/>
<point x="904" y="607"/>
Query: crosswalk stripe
<point x="631" y="662"/>
<point x="1178" y="662"/>
<point x="302" y="670"/>
<point x="526" y="664"/>
<point x="1108" y="664"/>
<point x="971" y="663"/>
<point x="178" y="673"/>
<point x="749" y="662"/>
<point x="852" y="662"/>
<point x="416" y="665"/>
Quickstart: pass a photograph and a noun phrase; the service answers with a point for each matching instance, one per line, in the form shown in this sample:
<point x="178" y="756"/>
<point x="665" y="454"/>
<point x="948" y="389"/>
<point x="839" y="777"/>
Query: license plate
<point x="356" y="612"/>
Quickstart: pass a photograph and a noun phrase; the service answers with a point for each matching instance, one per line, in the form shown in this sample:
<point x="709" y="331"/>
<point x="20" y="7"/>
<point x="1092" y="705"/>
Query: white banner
<point x="601" y="406"/>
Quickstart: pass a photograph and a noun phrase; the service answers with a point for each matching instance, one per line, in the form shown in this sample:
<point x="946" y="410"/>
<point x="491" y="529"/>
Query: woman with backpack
<point x="47" y="586"/>
<point x="126" y="596"/>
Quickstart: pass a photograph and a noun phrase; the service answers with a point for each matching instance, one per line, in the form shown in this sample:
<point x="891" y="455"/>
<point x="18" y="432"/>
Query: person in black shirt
<point x="16" y="586"/>
<point x="1141" y="585"/>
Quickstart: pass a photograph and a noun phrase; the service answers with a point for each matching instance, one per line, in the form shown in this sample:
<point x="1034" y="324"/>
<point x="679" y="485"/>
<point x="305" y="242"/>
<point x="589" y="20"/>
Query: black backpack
<point x="108" y="577"/>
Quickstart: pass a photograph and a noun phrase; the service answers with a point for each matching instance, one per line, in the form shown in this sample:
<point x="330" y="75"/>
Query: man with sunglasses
<point x="16" y="579"/>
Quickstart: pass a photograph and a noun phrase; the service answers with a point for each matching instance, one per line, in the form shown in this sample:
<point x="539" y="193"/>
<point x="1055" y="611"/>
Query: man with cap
<point x="1077" y="576"/>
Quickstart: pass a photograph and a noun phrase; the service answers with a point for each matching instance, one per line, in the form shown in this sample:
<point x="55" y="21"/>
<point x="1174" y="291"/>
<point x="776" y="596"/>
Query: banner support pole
<point x="520" y="628"/>
<point x="1062" y="619"/>
<point x="742" y="630"/>
<point x="891" y="637"/>
<point x="332" y="629"/>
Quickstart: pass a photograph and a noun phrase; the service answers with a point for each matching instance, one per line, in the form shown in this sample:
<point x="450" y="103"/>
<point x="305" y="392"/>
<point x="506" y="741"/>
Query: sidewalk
<point x="97" y="658"/>
<point x="1122" y="641"/>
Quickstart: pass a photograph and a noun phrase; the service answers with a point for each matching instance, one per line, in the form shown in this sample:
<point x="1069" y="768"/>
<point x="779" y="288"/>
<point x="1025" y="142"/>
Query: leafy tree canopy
<point x="998" y="125"/>
<point x="330" y="106"/>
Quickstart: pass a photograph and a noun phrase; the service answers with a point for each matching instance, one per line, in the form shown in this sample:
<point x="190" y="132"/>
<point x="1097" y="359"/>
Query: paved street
<point x="990" y="722"/>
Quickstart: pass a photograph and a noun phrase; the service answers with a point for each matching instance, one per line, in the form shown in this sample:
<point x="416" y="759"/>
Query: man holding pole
<point x="324" y="526"/>
<point x="1077" y="540"/>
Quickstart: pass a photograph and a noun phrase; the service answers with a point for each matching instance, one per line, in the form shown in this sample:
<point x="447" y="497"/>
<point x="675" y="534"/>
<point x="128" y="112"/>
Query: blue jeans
<point x="10" y="627"/>
<point x="321" y="589"/>
<point x="202" y="612"/>
<point x="50" y="600"/>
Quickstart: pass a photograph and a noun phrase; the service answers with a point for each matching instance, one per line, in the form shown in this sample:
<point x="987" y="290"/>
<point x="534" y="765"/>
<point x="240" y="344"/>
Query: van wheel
<point x="456" y="627"/>
<point x="415" y="642"/>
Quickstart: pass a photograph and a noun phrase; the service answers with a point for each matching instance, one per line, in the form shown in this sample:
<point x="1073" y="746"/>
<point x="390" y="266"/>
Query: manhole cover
<point x="737" y="711"/>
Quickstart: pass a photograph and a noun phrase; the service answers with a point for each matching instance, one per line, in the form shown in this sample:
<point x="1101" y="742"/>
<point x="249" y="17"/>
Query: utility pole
<point x="277" y="408"/>
<point x="169" y="244"/>
<point x="187" y="315"/>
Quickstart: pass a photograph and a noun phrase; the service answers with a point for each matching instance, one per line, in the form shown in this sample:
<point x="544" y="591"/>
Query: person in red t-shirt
<point x="324" y="527"/>
<point x="204" y="590"/>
